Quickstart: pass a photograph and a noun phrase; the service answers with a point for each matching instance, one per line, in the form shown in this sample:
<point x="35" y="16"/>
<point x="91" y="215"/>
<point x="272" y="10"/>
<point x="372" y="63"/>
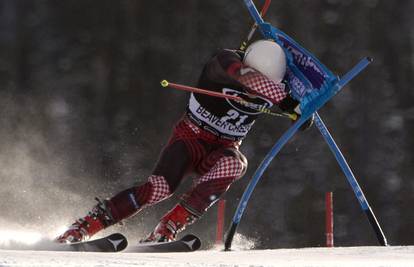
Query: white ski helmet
<point x="267" y="57"/>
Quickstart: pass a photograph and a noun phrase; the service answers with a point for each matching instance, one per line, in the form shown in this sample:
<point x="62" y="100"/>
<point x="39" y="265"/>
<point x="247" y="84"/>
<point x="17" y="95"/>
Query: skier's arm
<point x="255" y="82"/>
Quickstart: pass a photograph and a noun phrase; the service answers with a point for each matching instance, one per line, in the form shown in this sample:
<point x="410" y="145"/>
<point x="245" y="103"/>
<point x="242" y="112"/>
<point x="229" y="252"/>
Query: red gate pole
<point x="221" y="205"/>
<point x="329" y="219"/>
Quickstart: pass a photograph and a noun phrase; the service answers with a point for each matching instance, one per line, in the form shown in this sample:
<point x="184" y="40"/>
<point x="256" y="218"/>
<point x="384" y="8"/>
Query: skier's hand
<point x="307" y="124"/>
<point x="289" y="104"/>
<point x="292" y="106"/>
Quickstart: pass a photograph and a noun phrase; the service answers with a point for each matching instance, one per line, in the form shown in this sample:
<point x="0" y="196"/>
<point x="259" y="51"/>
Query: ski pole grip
<point x="164" y="83"/>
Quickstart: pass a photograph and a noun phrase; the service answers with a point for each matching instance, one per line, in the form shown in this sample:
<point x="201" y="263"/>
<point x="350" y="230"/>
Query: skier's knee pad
<point x="214" y="183"/>
<point x="226" y="167"/>
<point x="237" y="155"/>
<point x="132" y="200"/>
<point x="230" y="159"/>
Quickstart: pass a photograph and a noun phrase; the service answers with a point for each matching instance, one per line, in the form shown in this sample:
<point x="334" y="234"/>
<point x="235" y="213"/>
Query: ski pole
<point x="255" y="25"/>
<point x="165" y="83"/>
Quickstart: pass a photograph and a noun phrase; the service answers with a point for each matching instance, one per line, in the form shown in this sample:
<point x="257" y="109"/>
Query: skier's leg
<point x="172" y="166"/>
<point x="179" y="157"/>
<point x="220" y="169"/>
<point x="168" y="173"/>
<point x="127" y="203"/>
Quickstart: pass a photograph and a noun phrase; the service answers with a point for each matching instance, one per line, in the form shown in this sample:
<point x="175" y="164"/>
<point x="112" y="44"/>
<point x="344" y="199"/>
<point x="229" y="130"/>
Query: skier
<point x="205" y="142"/>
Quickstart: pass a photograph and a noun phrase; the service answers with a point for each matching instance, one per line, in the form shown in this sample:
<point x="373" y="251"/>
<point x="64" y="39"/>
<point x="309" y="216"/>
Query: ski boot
<point x="81" y="230"/>
<point x="170" y="225"/>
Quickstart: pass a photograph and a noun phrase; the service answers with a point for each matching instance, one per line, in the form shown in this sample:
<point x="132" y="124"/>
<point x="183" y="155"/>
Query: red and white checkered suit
<point x="224" y="168"/>
<point x="263" y="86"/>
<point x="160" y="189"/>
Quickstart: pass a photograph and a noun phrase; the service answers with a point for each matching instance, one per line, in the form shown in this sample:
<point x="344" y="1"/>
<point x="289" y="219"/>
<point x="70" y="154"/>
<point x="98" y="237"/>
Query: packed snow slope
<point x="307" y="257"/>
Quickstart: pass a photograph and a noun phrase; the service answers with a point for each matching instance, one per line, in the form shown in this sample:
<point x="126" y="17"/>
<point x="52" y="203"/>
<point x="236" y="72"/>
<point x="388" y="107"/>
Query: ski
<point x="112" y="243"/>
<point x="188" y="243"/>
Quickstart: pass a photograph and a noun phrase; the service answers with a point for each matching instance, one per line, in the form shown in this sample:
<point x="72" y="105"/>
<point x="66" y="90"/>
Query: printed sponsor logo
<point x="296" y="84"/>
<point x="255" y="103"/>
<point x="115" y="243"/>
<point x="190" y="244"/>
<point x="306" y="64"/>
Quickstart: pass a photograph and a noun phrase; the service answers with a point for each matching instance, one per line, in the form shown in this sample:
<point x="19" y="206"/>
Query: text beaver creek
<point x="221" y="123"/>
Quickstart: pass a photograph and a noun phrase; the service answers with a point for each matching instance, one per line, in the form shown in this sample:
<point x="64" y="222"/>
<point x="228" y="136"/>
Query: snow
<point x="307" y="257"/>
<point x="24" y="248"/>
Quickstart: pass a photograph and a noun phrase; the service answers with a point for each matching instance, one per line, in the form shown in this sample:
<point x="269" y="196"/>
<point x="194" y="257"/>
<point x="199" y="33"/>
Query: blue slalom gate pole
<point x="311" y="102"/>
<point x="279" y="145"/>
<point x="351" y="180"/>
<point x="354" y="71"/>
<point x="256" y="177"/>
<point x="253" y="11"/>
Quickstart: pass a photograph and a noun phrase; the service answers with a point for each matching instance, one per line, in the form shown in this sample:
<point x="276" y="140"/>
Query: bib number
<point x="234" y="115"/>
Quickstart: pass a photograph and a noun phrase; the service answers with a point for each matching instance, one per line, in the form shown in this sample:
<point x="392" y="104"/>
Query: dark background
<point x="82" y="113"/>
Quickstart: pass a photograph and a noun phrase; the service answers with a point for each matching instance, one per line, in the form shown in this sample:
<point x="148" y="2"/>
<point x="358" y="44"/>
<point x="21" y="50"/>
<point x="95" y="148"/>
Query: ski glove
<point x="292" y="106"/>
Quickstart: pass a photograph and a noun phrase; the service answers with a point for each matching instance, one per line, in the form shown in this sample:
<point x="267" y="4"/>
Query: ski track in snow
<point x="306" y="257"/>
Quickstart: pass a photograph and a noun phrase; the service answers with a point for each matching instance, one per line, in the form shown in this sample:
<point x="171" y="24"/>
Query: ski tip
<point x="164" y="83"/>
<point x="370" y="59"/>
